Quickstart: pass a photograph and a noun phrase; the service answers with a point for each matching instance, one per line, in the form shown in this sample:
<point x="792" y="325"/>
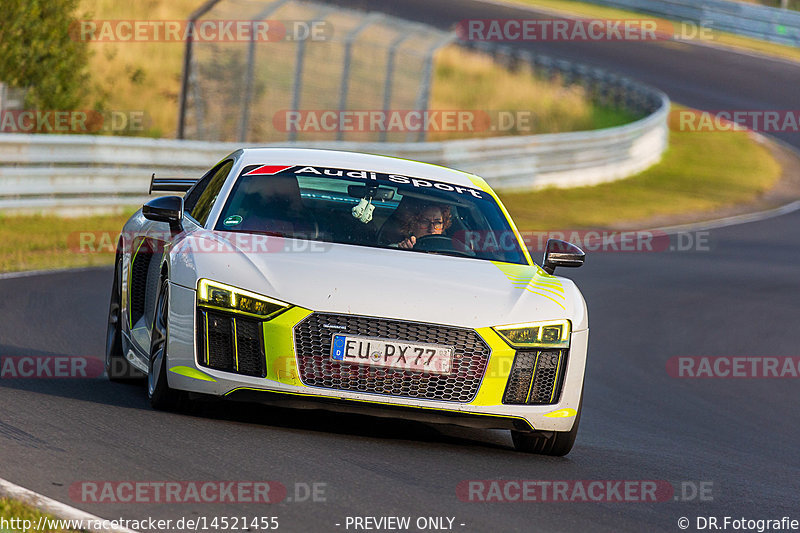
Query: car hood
<point x="391" y="283"/>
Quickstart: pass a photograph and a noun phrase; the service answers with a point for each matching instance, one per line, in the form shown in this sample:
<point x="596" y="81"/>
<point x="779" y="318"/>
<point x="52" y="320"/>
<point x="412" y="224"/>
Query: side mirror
<point x="561" y="254"/>
<point x="165" y="209"/>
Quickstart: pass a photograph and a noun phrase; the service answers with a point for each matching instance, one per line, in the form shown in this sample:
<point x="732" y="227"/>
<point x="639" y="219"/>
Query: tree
<point x="37" y="53"/>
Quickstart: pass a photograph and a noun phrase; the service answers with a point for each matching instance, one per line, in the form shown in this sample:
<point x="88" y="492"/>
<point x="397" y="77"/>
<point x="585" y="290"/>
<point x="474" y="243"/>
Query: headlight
<point x="552" y="334"/>
<point x="220" y="296"/>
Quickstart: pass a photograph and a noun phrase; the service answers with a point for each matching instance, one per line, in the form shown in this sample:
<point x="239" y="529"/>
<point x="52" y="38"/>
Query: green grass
<point x="10" y="509"/>
<point x="699" y="172"/>
<point x="468" y="80"/>
<point x="720" y="38"/>
<point x="45" y="242"/>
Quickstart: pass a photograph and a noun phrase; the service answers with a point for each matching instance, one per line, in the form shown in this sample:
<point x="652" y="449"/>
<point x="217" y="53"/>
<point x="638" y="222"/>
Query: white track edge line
<point x="734" y="220"/>
<point x="56" y="508"/>
<point x="67" y="270"/>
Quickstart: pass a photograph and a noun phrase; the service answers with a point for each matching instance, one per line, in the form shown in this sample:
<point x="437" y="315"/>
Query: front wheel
<point x="159" y="393"/>
<point x="558" y="444"/>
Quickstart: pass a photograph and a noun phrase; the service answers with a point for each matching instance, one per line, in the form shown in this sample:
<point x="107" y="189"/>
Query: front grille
<point x="230" y="343"/>
<point x="312" y="341"/>
<point x="536" y="377"/>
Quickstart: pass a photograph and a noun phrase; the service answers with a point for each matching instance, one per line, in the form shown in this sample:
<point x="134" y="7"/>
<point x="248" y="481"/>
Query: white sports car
<point x="351" y="282"/>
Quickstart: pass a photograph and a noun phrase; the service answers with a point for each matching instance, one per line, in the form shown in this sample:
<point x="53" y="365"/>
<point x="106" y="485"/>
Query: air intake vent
<point x="230" y="343"/>
<point x="536" y="377"/>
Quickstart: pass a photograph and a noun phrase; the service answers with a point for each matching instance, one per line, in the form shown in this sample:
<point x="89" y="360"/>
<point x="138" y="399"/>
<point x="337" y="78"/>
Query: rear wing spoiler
<point x="170" y="184"/>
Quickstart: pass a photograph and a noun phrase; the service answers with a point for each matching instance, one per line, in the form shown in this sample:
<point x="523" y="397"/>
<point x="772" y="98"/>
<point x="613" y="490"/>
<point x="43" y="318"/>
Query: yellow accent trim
<point x="538" y="283"/>
<point x="480" y="183"/>
<point x="533" y="279"/>
<point x="562" y="413"/>
<point x="205" y="331"/>
<point x="279" y="346"/>
<point x="497" y="371"/>
<point x="555" y="381"/>
<point x="539" y="288"/>
<point x="190" y="372"/>
<point x="548" y="286"/>
<point x="530" y="272"/>
<point x="235" y="345"/>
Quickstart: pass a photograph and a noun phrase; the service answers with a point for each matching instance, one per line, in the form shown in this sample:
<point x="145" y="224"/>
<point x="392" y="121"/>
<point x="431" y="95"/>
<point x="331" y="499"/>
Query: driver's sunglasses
<point x="428" y="223"/>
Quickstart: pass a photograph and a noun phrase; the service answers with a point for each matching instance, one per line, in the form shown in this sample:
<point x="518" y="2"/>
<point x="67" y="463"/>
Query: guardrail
<point x="752" y="20"/>
<point x="65" y="173"/>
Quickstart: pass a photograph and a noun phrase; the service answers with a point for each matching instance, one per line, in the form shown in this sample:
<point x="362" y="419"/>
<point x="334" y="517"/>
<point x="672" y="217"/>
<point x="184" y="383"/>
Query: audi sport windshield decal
<point x="399" y="179"/>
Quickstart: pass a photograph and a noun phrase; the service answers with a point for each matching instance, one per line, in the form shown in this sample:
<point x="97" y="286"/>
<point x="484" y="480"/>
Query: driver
<point x="424" y="219"/>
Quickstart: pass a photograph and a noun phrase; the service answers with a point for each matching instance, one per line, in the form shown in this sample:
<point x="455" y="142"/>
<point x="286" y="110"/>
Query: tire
<point x="161" y="396"/>
<point x="557" y="445"/>
<point x="118" y="369"/>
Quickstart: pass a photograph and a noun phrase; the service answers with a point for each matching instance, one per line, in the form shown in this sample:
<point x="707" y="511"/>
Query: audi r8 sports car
<point x="351" y="282"/>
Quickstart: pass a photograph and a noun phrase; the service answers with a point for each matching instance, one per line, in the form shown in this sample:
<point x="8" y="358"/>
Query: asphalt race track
<point x="737" y="437"/>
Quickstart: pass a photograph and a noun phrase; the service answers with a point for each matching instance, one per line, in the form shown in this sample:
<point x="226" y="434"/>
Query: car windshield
<point x="370" y="209"/>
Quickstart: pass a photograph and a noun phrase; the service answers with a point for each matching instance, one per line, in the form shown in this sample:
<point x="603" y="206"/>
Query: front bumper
<point x="282" y="383"/>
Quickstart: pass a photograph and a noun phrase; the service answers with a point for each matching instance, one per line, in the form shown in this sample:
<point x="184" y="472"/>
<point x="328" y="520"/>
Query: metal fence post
<point x="297" y="84"/>
<point x="348" y="55"/>
<point x="389" y="79"/>
<point x="423" y="95"/>
<point x="187" y="60"/>
<point x="244" y="122"/>
<point x="194" y="88"/>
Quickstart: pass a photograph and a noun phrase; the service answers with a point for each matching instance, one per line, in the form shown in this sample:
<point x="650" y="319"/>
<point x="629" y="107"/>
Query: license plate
<point x="429" y="358"/>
